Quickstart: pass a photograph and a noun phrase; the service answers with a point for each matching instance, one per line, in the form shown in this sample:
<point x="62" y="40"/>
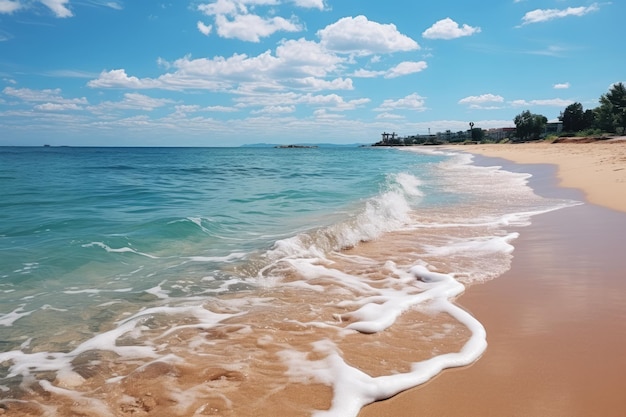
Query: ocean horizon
<point x="236" y="281"/>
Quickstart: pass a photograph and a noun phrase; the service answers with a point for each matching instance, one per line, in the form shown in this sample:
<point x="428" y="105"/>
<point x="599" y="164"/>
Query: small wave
<point x="387" y="211"/>
<point x="118" y="250"/>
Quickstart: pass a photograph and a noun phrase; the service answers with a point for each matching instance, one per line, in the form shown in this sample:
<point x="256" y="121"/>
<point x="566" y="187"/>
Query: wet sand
<point x="556" y="321"/>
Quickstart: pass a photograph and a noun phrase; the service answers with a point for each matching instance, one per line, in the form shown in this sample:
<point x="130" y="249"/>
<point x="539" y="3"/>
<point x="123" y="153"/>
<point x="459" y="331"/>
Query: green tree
<point x="611" y="114"/>
<point x="529" y="125"/>
<point x="589" y="119"/>
<point x="573" y="118"/>
<point x="604" y="119"/>
<point x="478" y="134"/>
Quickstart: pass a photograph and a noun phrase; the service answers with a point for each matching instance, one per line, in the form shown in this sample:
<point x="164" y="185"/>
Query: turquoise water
<point x="135" y="252"/>
<point x="71" y="217"/>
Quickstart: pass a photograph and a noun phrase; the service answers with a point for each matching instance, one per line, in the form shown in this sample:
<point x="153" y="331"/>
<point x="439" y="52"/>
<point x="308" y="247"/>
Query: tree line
<point x="608" y="117"/>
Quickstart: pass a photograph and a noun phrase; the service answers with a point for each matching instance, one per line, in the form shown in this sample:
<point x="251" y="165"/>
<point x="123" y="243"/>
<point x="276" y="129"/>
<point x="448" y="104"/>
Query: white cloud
<point x="131" y="101"/>
<point x="332" y="102"/>
<point x="221" y="109"/>
<point x="363" y="73"/>
<point x="118" y="78"/>
<point x="46" y="95"/>
<point x="113" y="4"/>
<point x="307" y="57"/>
<point x="220" y="7"/>
<point x="411" y="102"/>
<point x="249" y="27"/>
<point x="553" y="102"/>
<point x="389" y="116"/>
<point x="58" y="7"/>
<point x="482" y="99"/>
<point x="449" y="29"/>
<point x="57" y="107"/>
<point x="275" y="110"/>
<point x="405" y="68"/>
<point x="544" y="15"/>
<point x="360" y="36"/>
<point x="310" y="4"/>
<point x="319" y="84"/>
<point x="296" y="64"/>
<point x="143" y="102"/>
<point x="234" y="21"/>
<point x="9" y="6"/>
<point x="204" y="29"/>
<point x="562" y="86"/>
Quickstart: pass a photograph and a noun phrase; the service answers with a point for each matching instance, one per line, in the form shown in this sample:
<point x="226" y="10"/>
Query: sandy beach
<point x="555" y="320"/>
<point x="598" y="169"/>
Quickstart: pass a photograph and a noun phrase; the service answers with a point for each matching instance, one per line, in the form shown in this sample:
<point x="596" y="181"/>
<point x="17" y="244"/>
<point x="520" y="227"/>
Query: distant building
<point x="554" y="128"/>
<point x="388" y="137"/>
<point x="500" y="133"/>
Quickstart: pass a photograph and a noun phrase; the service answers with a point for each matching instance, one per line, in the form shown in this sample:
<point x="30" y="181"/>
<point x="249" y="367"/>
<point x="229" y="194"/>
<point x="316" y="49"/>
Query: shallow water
<point x="160" y="281"/>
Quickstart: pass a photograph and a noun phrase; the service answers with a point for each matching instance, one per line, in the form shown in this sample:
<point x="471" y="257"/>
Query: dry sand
<point x="556" y="322"/>
<point x="597" y="168"/>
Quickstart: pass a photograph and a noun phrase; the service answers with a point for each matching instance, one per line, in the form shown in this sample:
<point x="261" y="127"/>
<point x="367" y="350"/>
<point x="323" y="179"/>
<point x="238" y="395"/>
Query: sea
<point x="243" y="281"/>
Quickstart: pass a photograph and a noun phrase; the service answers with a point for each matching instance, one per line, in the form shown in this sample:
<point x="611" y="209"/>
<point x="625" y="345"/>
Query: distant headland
<point x="295" y="146"/>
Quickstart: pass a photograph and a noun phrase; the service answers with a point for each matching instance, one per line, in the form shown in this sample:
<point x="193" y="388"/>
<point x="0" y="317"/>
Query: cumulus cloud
<point x="295" y="64"/>
<point x="9" y="6"/>
<point x="204" y="29"/>
<point x="319" y="84"/>
<point x="562" y="86"/>
<point x="233" y="19"/>
<point x="249" y="27"/>
<point x="411" y="102"/>
<point x="310" y="4"/>
<point x="363" y="73"/>
<point x="118" y="78"/>
<point x="544" y="15"/>
<point x="449" y="29"/>
<point x="332" y="102"/>
<point x="360" y="36"/>
<point x="406" y="68"/>
<point x="307" y="57"/>
<point x="482" y="99"/>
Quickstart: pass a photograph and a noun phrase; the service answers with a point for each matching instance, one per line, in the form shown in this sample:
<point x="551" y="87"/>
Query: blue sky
<point x="231" y="72"/>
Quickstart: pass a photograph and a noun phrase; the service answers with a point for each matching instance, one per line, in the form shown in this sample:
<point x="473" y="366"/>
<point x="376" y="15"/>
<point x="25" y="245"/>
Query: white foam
<point x="158" y="291"/>
<point x="386" y="212"/>
<point x="352" y="387"/>
<point x="478" y="245"/>
<point x="25" y="364"/>
<point x="118" y="250"/>
<point x="228" y="258"/>
<point x="9" y="318"/>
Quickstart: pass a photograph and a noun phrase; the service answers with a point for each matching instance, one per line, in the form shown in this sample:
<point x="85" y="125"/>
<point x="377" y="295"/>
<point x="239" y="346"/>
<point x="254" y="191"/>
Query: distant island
<point x="295" y="146"/>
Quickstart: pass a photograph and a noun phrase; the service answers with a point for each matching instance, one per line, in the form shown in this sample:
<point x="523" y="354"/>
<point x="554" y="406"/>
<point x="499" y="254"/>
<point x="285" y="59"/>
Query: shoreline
<point x="598" y="169"/>
<point x="554" y="320"/>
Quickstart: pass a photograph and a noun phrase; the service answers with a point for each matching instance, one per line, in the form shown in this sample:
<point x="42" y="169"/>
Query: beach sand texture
<point x="555" y="321"/>
<point x="596" y="168"/>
